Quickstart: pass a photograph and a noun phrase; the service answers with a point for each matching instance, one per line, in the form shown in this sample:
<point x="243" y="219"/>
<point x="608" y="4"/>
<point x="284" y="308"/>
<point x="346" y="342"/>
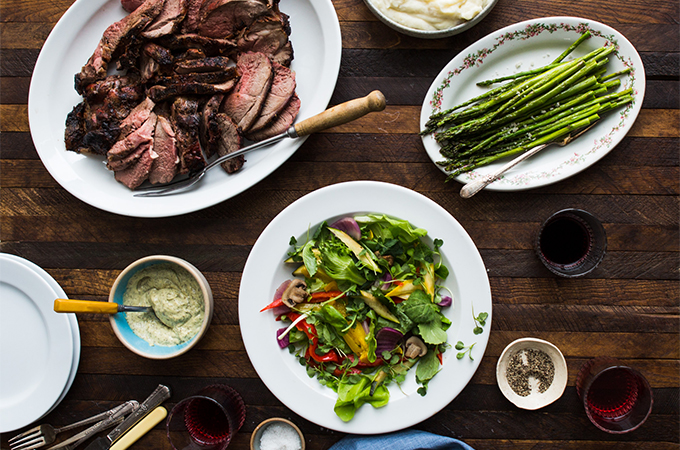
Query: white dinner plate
<point x="36" y="347"/>
<point x="72" y="319"/>
<point x="265" y="271"/>
<point x="317" y="48"/>
<point x="524" y="46"/>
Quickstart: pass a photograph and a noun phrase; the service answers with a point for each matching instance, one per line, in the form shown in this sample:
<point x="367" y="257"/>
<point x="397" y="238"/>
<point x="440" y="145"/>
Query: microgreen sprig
<point x="461" y="346"/>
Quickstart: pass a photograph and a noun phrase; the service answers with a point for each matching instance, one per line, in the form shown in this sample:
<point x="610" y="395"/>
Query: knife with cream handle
<point x="139" y="430"/>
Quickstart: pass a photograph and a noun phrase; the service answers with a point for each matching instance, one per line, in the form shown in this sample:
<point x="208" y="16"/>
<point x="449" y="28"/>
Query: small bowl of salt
<point x="277" y="433"/>
<point x="531" y="373"/>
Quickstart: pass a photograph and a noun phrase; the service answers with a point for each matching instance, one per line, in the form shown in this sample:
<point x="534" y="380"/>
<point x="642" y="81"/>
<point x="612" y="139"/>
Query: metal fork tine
<point x="26" y="434"/>
<point x="30" y="445"/>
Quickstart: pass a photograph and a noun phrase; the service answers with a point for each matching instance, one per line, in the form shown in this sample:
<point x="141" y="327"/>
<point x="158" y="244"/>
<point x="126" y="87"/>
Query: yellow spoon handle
<point x="62" y="305"/>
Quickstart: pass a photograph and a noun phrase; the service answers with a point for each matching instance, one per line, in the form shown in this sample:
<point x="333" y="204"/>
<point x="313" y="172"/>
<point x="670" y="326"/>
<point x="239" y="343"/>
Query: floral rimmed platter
<point x="523" y="46"/>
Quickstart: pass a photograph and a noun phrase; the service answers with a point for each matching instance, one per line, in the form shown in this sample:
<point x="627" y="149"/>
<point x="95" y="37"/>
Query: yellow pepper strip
<point x="403" y="290"/>
<point x="356" y="339"/>
<point x="428" y="280"/>
<point x="378" y="307"/>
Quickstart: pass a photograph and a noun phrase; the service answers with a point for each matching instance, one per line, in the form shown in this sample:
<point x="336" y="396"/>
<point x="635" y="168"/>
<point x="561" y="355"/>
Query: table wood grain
<point x="627" y="308"/>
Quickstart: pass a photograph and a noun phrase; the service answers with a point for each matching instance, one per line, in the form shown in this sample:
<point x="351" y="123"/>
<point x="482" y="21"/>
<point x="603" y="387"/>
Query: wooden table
<point x="627" y="308"/>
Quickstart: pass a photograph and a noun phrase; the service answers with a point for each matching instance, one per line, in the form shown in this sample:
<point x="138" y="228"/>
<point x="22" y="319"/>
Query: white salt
<point x="279" y="436"/>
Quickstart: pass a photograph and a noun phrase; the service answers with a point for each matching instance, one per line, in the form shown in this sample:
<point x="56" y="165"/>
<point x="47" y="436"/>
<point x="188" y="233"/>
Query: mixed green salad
<point x="364" y="307"/>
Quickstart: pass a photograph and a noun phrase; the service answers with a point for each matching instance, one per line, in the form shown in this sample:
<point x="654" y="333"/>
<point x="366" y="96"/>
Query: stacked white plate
<point x="39" y="348"/>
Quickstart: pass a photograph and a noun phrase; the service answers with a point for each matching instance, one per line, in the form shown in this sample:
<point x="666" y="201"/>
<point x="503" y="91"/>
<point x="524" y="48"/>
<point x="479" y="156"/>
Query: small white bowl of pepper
<point x="531" y="373"/>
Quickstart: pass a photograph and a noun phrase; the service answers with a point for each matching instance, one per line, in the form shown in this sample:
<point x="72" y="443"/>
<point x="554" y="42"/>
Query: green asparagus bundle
<point x="531" y="108"/>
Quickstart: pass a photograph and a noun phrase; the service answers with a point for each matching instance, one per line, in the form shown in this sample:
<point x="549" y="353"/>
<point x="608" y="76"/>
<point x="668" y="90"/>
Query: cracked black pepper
<point x="528" y="369"/>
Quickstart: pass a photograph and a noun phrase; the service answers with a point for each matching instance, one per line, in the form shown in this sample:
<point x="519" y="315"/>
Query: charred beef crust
<point x="209" y="64"/>
<point x="160" y="93"/>
<point x="228" y="141"/>
<point x="209" y="131"/>
<point x="159" y="53"/>
<point x="186" y="123"/>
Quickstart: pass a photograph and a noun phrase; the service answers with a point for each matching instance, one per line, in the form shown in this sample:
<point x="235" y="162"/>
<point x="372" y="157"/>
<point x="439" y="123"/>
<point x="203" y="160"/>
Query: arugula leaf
<point x="432" y="332"/>
<point x="428" y="366"/>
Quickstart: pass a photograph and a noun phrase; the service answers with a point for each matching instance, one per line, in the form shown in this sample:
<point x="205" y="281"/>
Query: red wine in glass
<point x="613" y="394"/>
<point x="206" y="422"/>
<point x="565" y="241"/>
<point x="617" y="399"/>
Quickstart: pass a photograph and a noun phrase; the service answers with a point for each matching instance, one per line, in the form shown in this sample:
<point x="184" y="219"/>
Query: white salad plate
<point x="525" y="46"/>
<point x="265" y="271"/>
<point x="317" y="48"/>
<point x="40" y="349"/>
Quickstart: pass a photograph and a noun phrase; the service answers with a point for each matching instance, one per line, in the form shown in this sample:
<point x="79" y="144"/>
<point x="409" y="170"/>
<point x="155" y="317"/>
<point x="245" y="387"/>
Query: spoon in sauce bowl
<point x="63" y="305"/>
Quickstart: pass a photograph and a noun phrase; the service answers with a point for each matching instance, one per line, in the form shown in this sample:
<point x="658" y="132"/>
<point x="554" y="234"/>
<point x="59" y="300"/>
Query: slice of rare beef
<point x="283" y="121"/>
<point x="168" y="20"/>
<point x="280" y="93"/>
<point x="131" y="5"/>
<point x="165" y="166"/>
<point x="137" y="173"/>
<point x="116" y="36"/>
<point x="229" y="140"/>
<point x="243" y="105"/>
<point x="137" y="117"/>
<point x="129" y="143"/>
<point x="186" y="122"/>
<point x="190" y="23"/>
<point x="268" y="35"/>
<point x="224" y="18"/>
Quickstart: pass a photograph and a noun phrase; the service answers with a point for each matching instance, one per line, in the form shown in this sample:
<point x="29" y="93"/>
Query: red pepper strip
<point x="310" y="331"/>
<point x="274" y="304"/>
<point x="364" y="364"/>
<point x="323" y="296"/>
<point x="441" y="358"/>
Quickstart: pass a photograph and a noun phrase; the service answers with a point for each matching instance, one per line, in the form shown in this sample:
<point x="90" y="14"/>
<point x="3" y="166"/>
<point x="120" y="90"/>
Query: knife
<point x="157" y="397"/>
<point x="139" y="430"/>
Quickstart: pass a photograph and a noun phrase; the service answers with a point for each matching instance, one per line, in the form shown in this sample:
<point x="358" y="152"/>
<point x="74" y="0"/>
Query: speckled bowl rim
<point x="115" y="295"/>
<point x="431" y="34"/>
<point x="555" y="390"/>
<point x="257" y="432"/>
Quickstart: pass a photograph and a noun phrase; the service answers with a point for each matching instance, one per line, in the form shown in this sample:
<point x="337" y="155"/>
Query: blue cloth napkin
<point x="401" y="440"/>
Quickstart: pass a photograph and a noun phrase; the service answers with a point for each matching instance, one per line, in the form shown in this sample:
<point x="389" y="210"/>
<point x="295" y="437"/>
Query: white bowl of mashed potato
<point x="430" y="19"/>
<point x="181" y="304"/>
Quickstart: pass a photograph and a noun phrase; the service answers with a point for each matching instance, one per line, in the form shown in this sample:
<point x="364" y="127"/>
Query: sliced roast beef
<point x="168" y="20"/>
<point x="137" y="117"/>
<point x="224" y="18"/>
<point x="243" y="105"/>
<point x="165" y="166"/>
<point x="209" y="131"/>
<point x="283" y="121"/>
<point x="210" y="46"/>
<point x="186" y="122"/>
<point x="193" y="12"/>
<point x="160" y="93"/>
<point x="129" y="143"/>
<point x="210" y="64"/>
<point x="159" y="53"/>
<point x="148" y="67"/>
<point x="280" y="93"/>
<point x="229" y="140"/>
<point x="131" y="5"/>
<point x="268" y="35"/>
<point x="93" y="126"/>
<point x="199" y="77"/>
<point x="137" y="173"/>
<point x="130" y="159"/>
<point x="115" y="37"/>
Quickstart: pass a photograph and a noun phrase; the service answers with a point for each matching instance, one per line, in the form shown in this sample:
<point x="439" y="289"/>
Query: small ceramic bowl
<point x="119" y="321"/>
<point x="430" y="34"/>
<point x="256" y="437"/>
<point x="535" y="399"/>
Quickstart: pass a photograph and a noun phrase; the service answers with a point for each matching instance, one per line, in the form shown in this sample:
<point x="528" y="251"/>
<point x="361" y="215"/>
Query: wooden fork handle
<point x="62" y="305"/>
<point x="342" y="113"/>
